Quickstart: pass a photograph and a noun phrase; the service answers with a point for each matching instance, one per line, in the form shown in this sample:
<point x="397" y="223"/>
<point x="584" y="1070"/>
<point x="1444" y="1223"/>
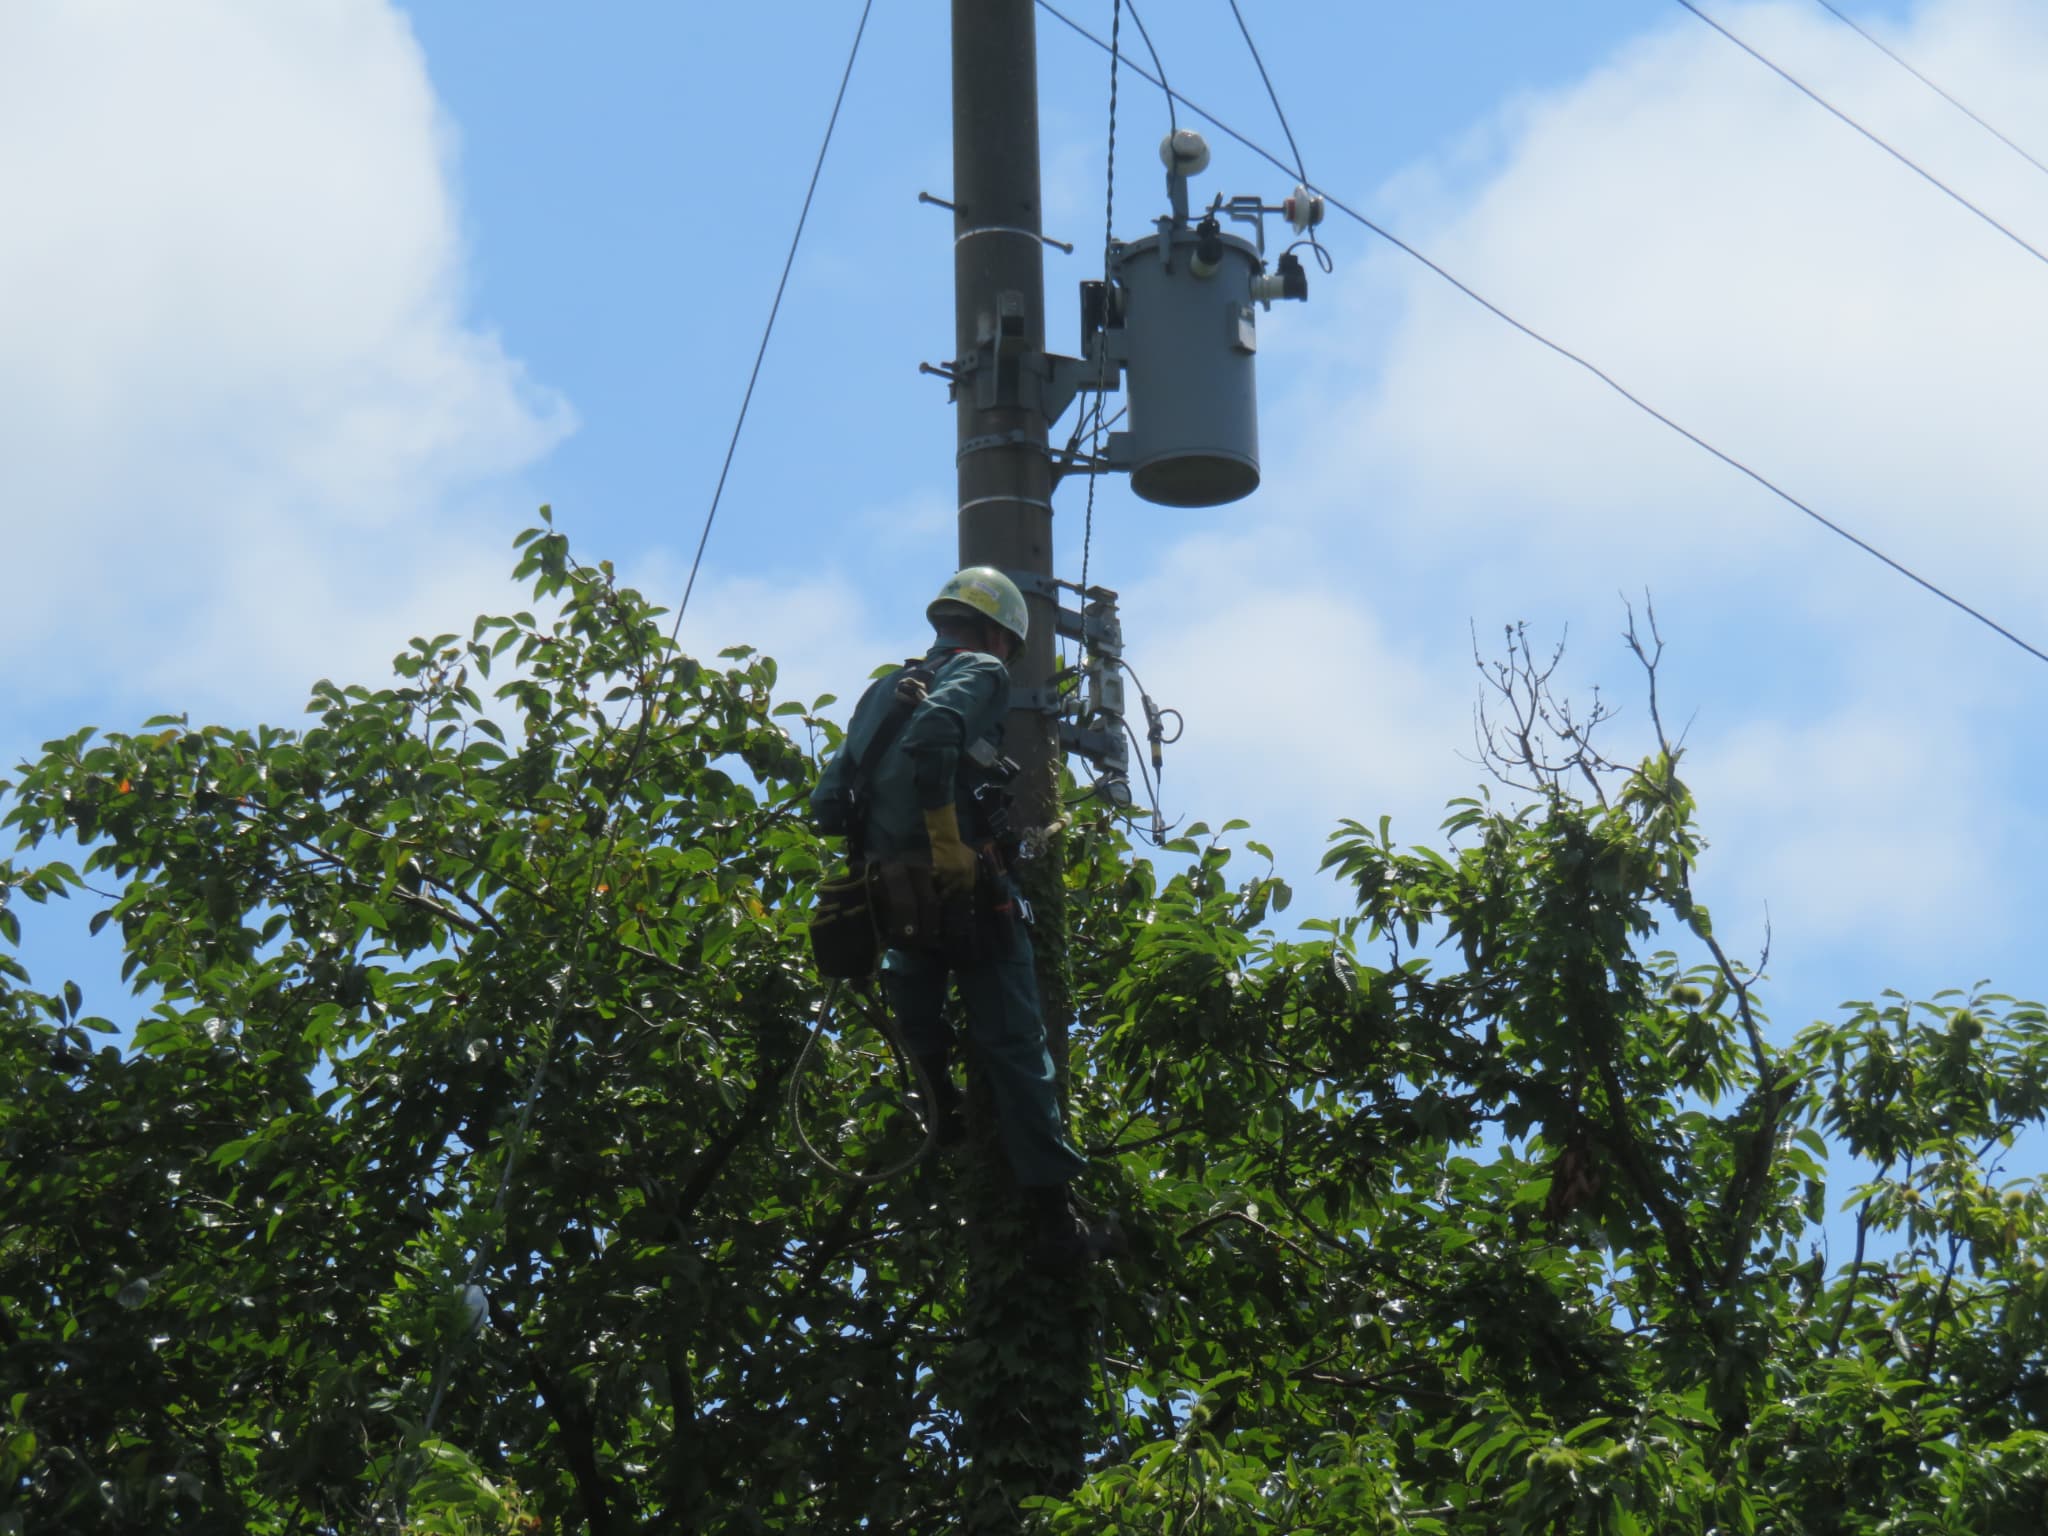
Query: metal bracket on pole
<point x="1109" y="752"/>
<point x="1008" y="333"/>
<point x="1058" y="379"/>
<point x="1092" y="716"/>
<point x="1005" y="372"/>
<point x="1095" y="624"/>
<point x="1042" y="701"/>
<point x="1041" y="381"/>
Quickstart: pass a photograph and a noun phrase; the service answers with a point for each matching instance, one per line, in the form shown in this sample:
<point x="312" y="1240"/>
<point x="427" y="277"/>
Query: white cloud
<point x="1857" y="825"/>
<point x="919" y="520"/>
<point x="1863" y="753"/>
<point x="1300" y="706"/>
<point x="1741" y="259"/>
<point x="241" y="409"/>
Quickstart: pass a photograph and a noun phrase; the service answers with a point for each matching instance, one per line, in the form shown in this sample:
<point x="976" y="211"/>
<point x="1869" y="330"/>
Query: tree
<point x="1467" y="1212"/>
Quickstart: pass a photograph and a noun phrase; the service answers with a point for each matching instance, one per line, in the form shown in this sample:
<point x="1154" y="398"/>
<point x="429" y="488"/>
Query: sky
<point x="309" y="307"/>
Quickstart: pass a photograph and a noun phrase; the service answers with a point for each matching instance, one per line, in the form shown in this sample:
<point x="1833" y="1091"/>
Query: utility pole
<point x="1024" y="1399"/>
<point x="1005" y="475"/>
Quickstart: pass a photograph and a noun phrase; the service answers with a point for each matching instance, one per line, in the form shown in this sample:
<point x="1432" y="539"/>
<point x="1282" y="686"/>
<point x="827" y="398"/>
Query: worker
<point x="926" y="813"/>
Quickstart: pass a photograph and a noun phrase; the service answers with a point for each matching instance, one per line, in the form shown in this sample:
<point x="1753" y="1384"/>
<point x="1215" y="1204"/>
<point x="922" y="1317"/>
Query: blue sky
<point x="310" y="306"/>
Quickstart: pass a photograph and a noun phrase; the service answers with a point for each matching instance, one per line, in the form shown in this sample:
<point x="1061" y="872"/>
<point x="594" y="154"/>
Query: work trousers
<point x="1007" y="1033"/>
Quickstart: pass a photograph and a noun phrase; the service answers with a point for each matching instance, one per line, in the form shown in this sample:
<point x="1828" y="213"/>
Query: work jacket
<point x="927" y="765"/>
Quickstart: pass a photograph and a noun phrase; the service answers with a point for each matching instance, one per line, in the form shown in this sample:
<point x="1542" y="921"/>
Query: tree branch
<point x="1251" y="1221"/>
<point x="1955" y="1248"/>
<point x="1621" y="1139"/>
<point x="1855" y="1269"/>
<point x="573" y="1420"/>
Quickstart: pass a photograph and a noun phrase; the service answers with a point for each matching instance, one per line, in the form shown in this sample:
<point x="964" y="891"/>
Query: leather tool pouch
<point x="913" y="915"/>
<point x="844" y="942"/>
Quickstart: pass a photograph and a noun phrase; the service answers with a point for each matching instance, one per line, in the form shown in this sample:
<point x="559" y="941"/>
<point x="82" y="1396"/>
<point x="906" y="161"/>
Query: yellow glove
<point x="952" y="860"/>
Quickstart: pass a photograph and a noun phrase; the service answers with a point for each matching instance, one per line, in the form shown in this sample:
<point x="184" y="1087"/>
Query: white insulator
<point x="1303" y="210"/>
<point x="1184" y="152"/>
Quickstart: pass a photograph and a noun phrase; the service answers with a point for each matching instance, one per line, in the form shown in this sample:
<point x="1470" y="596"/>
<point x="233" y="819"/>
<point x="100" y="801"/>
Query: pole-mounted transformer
<point x="1175" y="321"/>
<point x="1173" y="325"/>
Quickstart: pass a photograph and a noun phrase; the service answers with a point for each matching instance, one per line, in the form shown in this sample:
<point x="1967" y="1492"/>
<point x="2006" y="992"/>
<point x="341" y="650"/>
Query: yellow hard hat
<point x="984" y="590"/>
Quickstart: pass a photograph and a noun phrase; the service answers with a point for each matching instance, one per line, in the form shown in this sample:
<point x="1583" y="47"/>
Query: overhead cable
<point x="1566" y="352"/>
<point x="1906" y="64"/>
<point x="1300" y="167"/>
<point x="1172" y="118"/>
<point x="774" y="309"/>
<point x="1116" y="19"/>
<point x="1897" y="154"/>
<point x="1271" y="94"/>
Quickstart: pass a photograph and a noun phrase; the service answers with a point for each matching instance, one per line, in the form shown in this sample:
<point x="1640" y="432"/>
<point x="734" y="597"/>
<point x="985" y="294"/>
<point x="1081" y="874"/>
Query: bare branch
<point x="1649" y="655"/>
<point x="1538" y="740"/>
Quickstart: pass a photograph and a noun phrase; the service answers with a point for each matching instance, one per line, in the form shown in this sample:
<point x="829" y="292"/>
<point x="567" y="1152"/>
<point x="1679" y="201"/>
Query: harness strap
<point x="912" y="683"/>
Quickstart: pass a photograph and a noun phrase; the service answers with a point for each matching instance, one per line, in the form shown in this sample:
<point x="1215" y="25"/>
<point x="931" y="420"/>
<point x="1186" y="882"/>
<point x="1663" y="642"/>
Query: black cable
<point x="773" y="310"/>
<point x="1898" y="155"/>
<point x="1565" y="352"/>
<point x="1871" y="38"/>
<point x="1322" y="256"/>
<point x="1160" y="825"/>
<point x="1161" y="710"/>
<point x="1116" y="17"/>
<point x="1300" y="170"/>
<point x="1172" y="119"/>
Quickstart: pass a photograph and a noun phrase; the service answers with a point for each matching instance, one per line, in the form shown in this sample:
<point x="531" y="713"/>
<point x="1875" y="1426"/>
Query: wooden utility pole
<point x="1022" y="1385"/>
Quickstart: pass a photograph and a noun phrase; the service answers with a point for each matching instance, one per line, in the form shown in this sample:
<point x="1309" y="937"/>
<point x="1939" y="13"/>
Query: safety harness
<point x="845" y="928"/>
<point x="913" y="686"/>
<point x="845" y="931"/>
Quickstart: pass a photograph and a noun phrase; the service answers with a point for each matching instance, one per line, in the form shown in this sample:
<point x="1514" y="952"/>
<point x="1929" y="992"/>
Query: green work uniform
<point x="968" y="700"/>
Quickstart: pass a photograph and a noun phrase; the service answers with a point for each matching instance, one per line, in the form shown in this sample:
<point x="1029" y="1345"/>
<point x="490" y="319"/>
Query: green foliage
<point x="1488" y="1208"/>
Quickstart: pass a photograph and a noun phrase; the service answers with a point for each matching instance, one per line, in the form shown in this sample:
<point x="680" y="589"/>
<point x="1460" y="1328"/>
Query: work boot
<point x="943" y="1113"/>
<point x="1065" y="1239"/>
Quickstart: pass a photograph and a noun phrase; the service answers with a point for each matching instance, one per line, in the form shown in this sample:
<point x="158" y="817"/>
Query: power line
<point x="1899" y="59"/>
<point x="1566" y="352"/>
<point x="1300" y="166"/>
<point x="1116" y="19"/>
<point x="774" y="309"/>
<point x="1172" y="120"/>
<point x="1899" y="155"/>
<point x="1272" y="95"/>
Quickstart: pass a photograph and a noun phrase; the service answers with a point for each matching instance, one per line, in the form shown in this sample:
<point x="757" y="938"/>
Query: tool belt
<point x="845" y="944"/>
<point x="873" y="906"/>
<point x="898" y="905"/>
<point x="913" y="914"/>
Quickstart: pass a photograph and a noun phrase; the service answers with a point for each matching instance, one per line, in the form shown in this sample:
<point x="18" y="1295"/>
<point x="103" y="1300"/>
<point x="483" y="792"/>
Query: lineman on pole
<point x="918" y="791"/>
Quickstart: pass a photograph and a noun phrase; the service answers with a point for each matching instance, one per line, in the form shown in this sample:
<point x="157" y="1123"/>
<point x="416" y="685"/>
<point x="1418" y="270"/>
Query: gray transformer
<point x="1183" y="327"/>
